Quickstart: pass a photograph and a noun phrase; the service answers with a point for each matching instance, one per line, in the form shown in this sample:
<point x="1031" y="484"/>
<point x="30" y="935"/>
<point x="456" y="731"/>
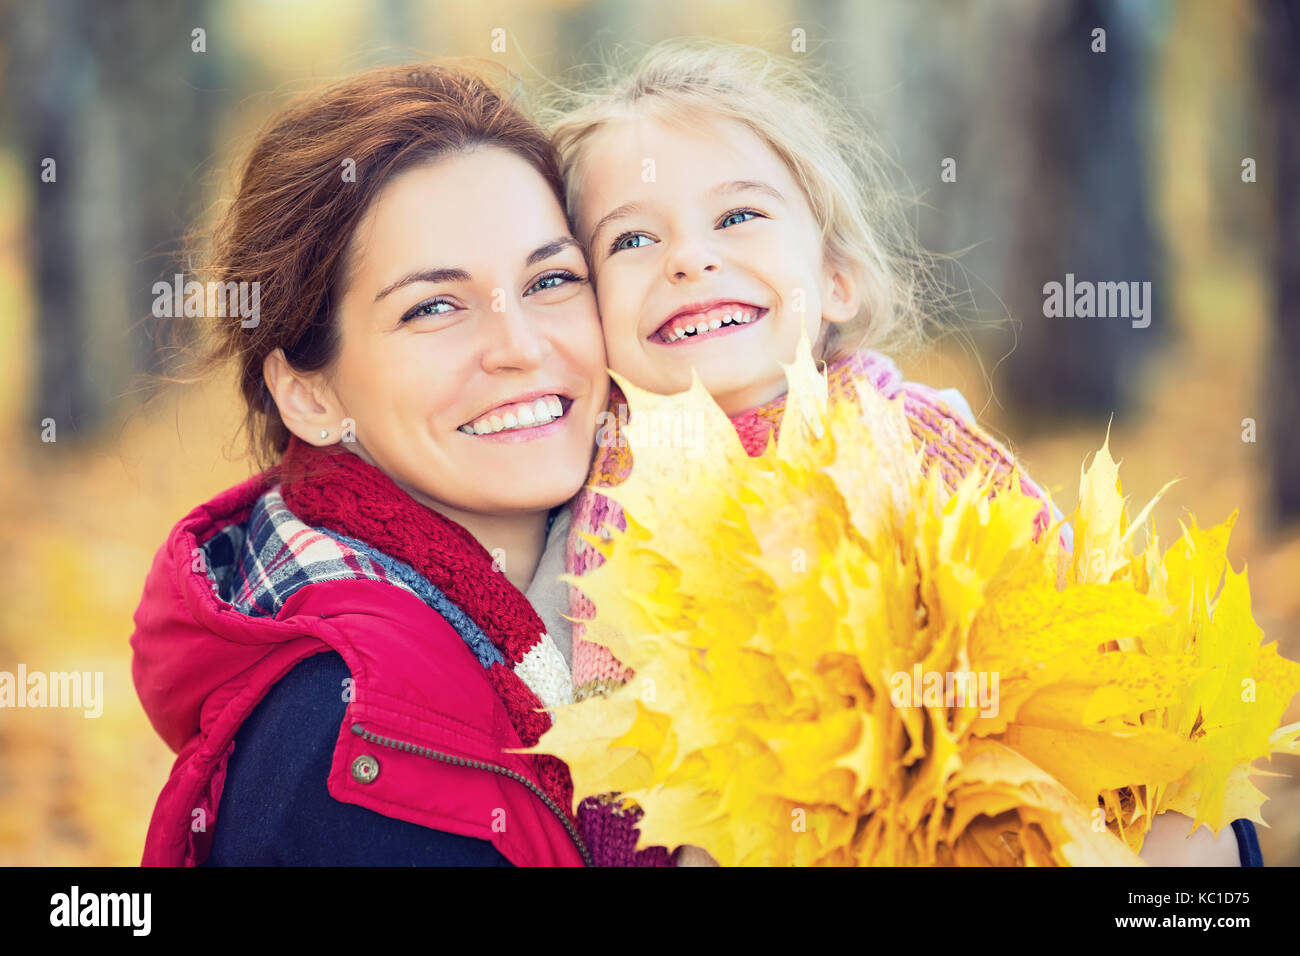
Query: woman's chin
<point x="536" y="491"/>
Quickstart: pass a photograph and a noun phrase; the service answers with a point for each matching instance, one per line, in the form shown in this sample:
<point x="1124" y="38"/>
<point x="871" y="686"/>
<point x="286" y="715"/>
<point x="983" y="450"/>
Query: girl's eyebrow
<point x="620" y="212"/>
<point x="741" y="185"/>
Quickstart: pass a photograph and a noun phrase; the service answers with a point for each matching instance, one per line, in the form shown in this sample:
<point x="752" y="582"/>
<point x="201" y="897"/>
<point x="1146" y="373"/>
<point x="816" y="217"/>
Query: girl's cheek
<point x="611" y="308"/>
<point x="620" y="294"/>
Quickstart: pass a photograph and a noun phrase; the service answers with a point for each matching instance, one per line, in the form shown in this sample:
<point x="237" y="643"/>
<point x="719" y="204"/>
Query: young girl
<point x="727" y="204"/>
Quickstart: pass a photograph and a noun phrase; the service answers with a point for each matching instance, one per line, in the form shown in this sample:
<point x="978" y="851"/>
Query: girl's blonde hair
<point x="829" y="153"/>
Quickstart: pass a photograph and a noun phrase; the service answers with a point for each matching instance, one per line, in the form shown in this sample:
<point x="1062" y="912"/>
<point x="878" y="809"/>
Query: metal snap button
<point x="365" y="769"/>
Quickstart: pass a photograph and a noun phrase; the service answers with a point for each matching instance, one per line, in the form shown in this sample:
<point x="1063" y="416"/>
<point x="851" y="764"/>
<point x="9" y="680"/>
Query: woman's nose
<point x="690" y="258"/>
<point x="515" y="340"/>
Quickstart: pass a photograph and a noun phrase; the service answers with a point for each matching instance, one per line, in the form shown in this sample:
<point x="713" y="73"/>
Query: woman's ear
<point x="307" y="405"/>
<point x="841" y="298"/>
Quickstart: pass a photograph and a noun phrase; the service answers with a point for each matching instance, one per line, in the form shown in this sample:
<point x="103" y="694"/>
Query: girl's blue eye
<point x="626" y="241"/>
<point x="734" y="218"/>
<point x="423" y="309"/>
<point x="553" y="280"/>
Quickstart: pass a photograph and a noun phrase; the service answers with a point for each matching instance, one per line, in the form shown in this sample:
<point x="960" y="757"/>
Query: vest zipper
<point x="480" y="765"/>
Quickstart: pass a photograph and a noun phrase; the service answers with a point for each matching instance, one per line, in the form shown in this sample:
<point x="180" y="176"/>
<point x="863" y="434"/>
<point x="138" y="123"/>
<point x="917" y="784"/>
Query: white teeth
<point x="539" y="412"/>
<point x="740" y="316"/>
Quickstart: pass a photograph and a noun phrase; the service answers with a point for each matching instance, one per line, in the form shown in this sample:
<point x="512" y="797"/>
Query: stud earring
<point x="324" y="433"/>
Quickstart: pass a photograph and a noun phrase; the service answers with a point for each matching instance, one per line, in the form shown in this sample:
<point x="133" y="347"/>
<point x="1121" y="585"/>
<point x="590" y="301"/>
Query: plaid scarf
<point x="332" y="516"/>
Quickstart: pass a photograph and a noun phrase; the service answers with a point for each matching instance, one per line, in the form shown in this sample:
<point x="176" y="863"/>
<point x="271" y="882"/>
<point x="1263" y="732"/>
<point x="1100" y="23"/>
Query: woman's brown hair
<point x="313" y="171"/>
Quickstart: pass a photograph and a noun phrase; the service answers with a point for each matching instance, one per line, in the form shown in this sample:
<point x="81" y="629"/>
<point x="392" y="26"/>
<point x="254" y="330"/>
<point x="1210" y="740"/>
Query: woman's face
<point x="471" y="354"/>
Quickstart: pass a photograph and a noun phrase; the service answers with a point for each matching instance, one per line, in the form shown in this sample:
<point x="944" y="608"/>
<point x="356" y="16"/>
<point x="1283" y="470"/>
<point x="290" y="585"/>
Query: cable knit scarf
<point x="337" y="490"/>
<point x="952" y="444"/>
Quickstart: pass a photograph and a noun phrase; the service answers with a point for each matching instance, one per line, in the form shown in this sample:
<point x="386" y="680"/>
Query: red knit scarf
<point x="337" y="490"/>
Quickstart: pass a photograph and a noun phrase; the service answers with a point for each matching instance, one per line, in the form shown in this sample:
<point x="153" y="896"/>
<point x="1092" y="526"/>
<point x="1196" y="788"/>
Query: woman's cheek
<point x="576" y="329"/>
<point x="594" y="350"/>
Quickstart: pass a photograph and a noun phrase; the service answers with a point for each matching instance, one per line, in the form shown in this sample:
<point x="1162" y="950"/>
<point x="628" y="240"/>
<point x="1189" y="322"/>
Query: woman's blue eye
<point x="626" y="241"/>
<point x="732" y="218"/>
<point x="553" y="280"/>
<point x="426" y="309"/>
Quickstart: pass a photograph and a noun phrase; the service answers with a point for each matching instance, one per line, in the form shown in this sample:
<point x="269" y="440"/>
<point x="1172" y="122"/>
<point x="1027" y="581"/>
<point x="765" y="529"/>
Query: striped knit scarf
<point x="952" y="444"/>
<point x="361" y="518"/>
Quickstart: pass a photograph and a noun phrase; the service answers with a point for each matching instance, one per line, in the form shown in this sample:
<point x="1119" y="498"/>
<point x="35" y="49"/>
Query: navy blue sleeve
<point x="276" y="810"/>
<point x="1247" y="843"/>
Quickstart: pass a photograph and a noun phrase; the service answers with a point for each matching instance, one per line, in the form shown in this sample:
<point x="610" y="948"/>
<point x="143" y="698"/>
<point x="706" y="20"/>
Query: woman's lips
<point x="713" y="323"/>
<point x="520" y="432"/>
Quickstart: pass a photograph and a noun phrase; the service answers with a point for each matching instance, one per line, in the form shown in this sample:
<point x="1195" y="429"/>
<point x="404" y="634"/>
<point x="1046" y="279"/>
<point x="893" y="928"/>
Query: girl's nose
<point x="690" y="259"/>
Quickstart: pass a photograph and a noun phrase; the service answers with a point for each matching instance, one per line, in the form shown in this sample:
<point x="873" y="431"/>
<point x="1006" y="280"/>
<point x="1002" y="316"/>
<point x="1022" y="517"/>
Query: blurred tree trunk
<point x="48" y="63"/>
<point x="1082" y="207"/>
<point x="117" y="101"/>
<point x="1280" y="22"/>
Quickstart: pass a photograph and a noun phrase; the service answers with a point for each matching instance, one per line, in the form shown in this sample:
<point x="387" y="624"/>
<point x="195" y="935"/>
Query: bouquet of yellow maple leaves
<point x="838" y="660"/>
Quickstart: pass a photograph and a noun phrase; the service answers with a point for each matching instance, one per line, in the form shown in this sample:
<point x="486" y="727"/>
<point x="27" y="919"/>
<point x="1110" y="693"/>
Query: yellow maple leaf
<point x="840" y="659"/>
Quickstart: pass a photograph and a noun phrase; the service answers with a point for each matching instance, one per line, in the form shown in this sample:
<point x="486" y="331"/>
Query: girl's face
<point x="706" y="256"/>
<point x="471" y="356"/>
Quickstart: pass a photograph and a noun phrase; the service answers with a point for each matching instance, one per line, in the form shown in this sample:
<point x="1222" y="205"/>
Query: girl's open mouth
<point x="522" y="421"/>
<point x="725" y="319"/>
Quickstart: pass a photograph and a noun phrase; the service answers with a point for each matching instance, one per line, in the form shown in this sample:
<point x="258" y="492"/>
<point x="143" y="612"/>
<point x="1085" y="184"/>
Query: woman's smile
<point x="536" y="415"/>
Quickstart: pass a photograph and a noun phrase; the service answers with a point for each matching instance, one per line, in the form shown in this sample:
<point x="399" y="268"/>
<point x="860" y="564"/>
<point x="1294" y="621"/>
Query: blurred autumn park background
<point x="1171" y="157"/>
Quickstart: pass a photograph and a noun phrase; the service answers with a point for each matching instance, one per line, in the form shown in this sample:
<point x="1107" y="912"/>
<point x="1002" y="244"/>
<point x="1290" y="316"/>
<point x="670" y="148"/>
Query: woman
<point x="339" y="648"/>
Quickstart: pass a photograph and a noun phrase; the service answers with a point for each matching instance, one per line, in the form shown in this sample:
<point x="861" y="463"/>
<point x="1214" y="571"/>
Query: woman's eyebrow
<point x="542" y="252"/>
<point x="425" y="275"/>
<point x="549" y="249"/>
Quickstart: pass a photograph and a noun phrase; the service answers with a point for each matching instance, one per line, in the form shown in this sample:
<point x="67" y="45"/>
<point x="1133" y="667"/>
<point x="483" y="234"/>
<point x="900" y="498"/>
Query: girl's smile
<point x="707" y="320"/>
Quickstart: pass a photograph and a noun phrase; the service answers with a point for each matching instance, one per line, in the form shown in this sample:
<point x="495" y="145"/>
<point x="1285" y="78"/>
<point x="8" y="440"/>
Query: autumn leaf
<point x="809" y="630"/>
